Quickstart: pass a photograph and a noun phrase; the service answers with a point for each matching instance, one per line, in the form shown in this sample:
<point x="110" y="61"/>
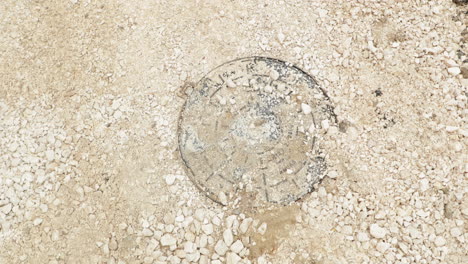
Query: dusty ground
<point x="89" y="102"/>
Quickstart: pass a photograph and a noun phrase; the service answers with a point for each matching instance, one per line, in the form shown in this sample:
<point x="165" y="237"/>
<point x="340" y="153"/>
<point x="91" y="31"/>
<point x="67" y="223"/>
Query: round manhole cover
<point x="250" y="128"/>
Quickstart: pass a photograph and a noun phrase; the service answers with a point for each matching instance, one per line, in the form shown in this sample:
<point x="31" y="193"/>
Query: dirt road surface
<point x="90" y="96"/>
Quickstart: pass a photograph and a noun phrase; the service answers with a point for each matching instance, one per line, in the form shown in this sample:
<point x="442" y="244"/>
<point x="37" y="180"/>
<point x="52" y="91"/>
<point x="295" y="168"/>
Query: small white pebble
<point x="463" y="132"/>
<point x="147" y="232"/>
<point x="37" y="221"/>
<point x="216" y="220"/>
<point x="455" y="232"/>
<point x="221" y="248"/>
<point x="230" y="220"/>
<point x="200" y="214"/>
<point x="281" y="37"/>
<point x="261" y="260"/>
<point x="237" y="246"/>
<point x="332" y="174"/>
<point x="50" y="155"/>
<point x="244" y="226"/>
<point x="311" y="128"/>
<point x="6" y="209"/>
<point x="451" y="128"/>
<point x="222" y="198"/>
<point x="424" y="185"/>
<point x="347" y="230"/>
<point x="13" y="147"/>
<point x="228" y="237"/>
<point x="55" y="235"/>
<point x="168" y="240"/>
<point x="382" y="247"/>
<point x="306" y="109"/>
<point x="203" y="259"/>
<point x="208" y="229"/>
<point x="362" y="237"/>
<point x="230" y="83"/>
<point x="180" y="218"/>
<point x="451" y="63"/>
<point x="51" y="138"/>
<point x="262" y="229"/>
<point x="325" y="124"/>
<point x="222" y="101"/>
<point x="117" y="114"/>
<point x="322" y="192"/>
<point x="457" y="146"/>
<point x="115" y="104"/>
<point x="454" y="70"/>
<point x="232" y="258"/>
<point x="170" y="179"/>
<point x="377" y="231"/>
<point x="274" y="75"/>
<point x="189" y="247"/>
<point x="439" y="241"/>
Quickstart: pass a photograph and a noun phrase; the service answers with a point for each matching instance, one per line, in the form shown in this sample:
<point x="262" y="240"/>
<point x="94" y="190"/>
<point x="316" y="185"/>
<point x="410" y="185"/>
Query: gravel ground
<point x="90" y="96"/>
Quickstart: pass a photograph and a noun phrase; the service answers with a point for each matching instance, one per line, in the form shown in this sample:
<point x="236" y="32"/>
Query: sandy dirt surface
<point x="90" y="96"/>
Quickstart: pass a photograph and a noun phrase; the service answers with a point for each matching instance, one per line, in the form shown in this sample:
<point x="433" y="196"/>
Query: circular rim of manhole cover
<point x="251" y="129"/>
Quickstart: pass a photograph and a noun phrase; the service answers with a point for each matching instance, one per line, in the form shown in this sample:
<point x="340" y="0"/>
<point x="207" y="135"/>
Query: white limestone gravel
<point x="89" y="103"/>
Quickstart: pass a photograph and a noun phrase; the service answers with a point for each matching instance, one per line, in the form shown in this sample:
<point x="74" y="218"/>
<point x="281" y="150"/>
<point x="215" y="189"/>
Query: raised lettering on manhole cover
<point x="251" y="128"/>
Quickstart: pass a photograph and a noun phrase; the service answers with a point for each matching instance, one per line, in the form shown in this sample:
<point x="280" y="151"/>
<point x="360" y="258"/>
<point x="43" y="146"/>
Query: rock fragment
<point x="221" y="248"/>
<point x="377" y="231"/>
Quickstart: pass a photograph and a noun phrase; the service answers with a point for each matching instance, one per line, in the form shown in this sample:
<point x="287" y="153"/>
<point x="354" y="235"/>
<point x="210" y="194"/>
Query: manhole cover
<point x="251" y="129"/>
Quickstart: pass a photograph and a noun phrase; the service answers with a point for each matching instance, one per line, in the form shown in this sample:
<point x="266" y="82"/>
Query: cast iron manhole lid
<point x="251" y="128"/>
